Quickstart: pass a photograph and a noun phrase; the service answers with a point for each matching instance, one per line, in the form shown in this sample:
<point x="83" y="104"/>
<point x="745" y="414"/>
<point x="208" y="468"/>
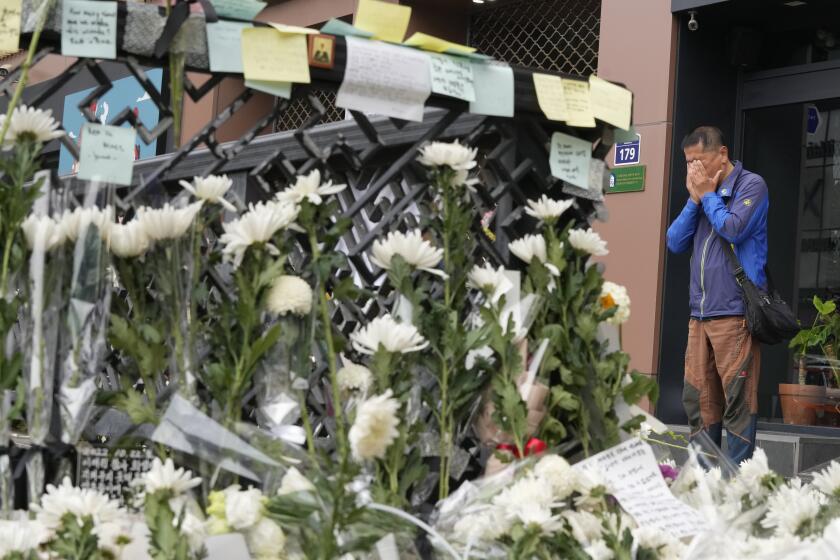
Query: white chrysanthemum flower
<point x="827" y="480"/>
<point x="293" y="481"/>
<point x="532" y="247"/>
<point x="164" y="476"/>
<point x="791" y="508"/>
<point x="257" y="225"/>
<point x="593" y="488"/>
<point x="752" y="477"/>
<point x="585" y="526"/>
<point x="29" y="123"/>
<point x="411" y="246"/>
<point x="392" y="336"/>
<point x="615" y="295"/>
<point x="375" y="427"/>
<point x="211" y="189"/>
<point x="289" y="294"/>
<point x="588" y="241"/>
<point x="548" y="209"/>
<point x="43" y="229"/>
<point x="60" y="500"/>
<point x="195" y="529"/>
<point x="665" y="546"/>
<point x="266" y="540"/>
<point x="243" y="508"/>
<point x="113" y="536"/>
<point x="168" y="222"/>
<point x="486" y="525"/>
<point x="450" y="154"/>
<point x="21" y="537"/>
<point x="128" y="240"/>
<point x="526" y="500"/>
<point x="310" y="188"/>
<point x="73" y="223"/>
<point x="557" y="472"/>
<point x="492" y="281"/>
<point x="599" y="550"/>
<point x="354" y="377"/>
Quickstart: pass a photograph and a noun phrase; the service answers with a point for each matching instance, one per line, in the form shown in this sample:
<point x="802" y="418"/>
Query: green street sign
<point x="630" y="178"/>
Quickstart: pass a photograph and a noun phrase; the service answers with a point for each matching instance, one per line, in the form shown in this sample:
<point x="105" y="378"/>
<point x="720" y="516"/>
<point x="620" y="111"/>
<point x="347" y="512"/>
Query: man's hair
<point x="709" y="138"/>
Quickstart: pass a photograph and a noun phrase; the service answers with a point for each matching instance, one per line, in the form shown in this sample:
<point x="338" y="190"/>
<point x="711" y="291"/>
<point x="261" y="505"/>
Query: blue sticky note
<point x="493" y="84"/>
<point x="89" y="29"/>
<point x="341" y="27"/>
<point x="224" y="44"/>
<point x="107" y="153"/>
<point x="238" y="9"/>
<point x="278" y="89"/>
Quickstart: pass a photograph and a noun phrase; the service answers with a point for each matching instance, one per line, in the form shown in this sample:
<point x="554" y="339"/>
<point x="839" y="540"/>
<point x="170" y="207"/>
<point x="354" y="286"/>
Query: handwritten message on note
<point x="89" y="29"/>
<point x="272" y="56"/>
<point x="493" y="84"/>
<point x="224" y="45"/>
<point x="610" y="103"/>
<point x="578" y="107"/>
<point x="9" y="25"/>
<point x="386" y="21"/>
<point x="107" y="153"/>
<point x="385" y="80"/>
<point x="452" y="76"/>
<point x="238" y="9"/>
<point x="634" y="479"/>
<point x="550" y="96"/>
<point x="277" y="89"/>
<point x="569" y="159"/>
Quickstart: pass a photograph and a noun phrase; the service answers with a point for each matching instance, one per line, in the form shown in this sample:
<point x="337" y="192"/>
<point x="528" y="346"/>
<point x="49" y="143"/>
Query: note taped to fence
<point x="436" y="44"/>
<point x="107" y="153"/>
<point x="569" y="159"/>
<point x="550" y="96"/>
<point x="493" y="85"/>
<point x="283" y="28"/>
<point x="270" y="55"/>
<point x="9" y="26"/>
<point x="610" y="103"/>
<point x="224" y="44"/>
<point x="452" y="76"/>
<point x="633" y="477"/>
<point x="238" y="9"/>
<point x="89" y="29"/>
<point x="578" y="106"/>
<point x="277" y="89"/>
<point x="385" y="80"/>
<point x="341" y="27"/>
<point x="385" y="20"/>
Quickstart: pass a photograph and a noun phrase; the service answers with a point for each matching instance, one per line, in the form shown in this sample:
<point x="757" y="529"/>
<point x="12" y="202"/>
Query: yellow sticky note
<point x="550" y="96"/>
<point x="578" y="107"/>
<point x="436" y="44"/>
<point x="283" y="28"/>
<point x="386" y="21"/>
<point x="610" y="103"/>
<point x="273" y="56"/>
<point x="9" y="26"/>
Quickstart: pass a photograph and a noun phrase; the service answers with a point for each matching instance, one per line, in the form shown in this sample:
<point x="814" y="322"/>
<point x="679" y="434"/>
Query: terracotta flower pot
<point x="795" y="400"/>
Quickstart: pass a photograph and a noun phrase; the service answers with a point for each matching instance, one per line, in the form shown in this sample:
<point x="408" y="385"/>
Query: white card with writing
<point x="570" y="158"/>
<point x="452" y="76"/>
<point x="633" y="476"/>
<point x="89" y="29"/>
<point x="107" y="153"/>
<point x="385" y="80"/>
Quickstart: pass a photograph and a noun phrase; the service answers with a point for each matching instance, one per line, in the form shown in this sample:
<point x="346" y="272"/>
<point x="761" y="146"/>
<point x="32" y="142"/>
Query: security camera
<point x="693" y="24"/>
<point x="5" y="70"/>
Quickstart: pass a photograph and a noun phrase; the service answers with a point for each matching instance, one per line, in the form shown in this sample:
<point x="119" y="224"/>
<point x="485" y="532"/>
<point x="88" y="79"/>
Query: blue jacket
<point x="737" y="212"/>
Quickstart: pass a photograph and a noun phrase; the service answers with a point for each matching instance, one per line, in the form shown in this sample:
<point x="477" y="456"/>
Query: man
<point x="726" y="204"/>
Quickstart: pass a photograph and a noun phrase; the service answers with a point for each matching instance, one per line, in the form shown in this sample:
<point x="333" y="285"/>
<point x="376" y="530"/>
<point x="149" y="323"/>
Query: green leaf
<point x="640" y="386"/>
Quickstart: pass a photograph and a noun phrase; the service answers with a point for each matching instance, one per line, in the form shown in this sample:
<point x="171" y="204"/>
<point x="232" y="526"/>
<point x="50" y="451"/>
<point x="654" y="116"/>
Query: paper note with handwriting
<point x="578" y="107"/>
<point x="107" y="153"/>
<point x="340" y="27"/>
<point x="633" y="477"/>
<point x="270" y="55"/>
<point x="238" y="9"/>
<point x="385" y="20"/>
<point x="385" y="80"/>
<point x="569" y="159"/>
<point x="89" y="29"/>
<point x="550" y="96"/>
<point x="224" y="44"/>
<point x="278" y="89"/>
<point x="610" y="103"/>
<point x="436" y="44"/>
<point x="9" y="26"/>
<point x="493" y="85"/>
<point x="452" y="76"/>
<point x="283" y="28"/>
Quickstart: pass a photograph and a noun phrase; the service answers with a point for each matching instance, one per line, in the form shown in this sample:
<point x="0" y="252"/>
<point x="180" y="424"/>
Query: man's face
<point x="713" y="160"/>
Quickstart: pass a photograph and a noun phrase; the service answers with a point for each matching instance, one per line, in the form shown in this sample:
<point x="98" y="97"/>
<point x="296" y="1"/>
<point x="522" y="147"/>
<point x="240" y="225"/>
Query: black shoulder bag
<point x="769" y="318"/>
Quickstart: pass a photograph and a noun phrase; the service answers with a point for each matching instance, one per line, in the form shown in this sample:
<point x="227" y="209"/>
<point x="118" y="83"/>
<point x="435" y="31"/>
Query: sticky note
<point x="9" y="26"/>
<point x="278" y="89"/>
<point x="107" y="153"/>
<point x="493" y="85"/>
<point x="386" y="21"/>
<point x="89" y="29"/>
<point x="578" y="107"/>
<point x="550" y="96"/>
<point x="610" y="103"/>
<point x="283" y="28"/>
<point x="341" y="27"/>
<point x="270" y="55"/>
<point x="238" y="9"/>
<point x="621" y="136"/>
<point x="569" y="159"/>
<point x="435" y="44"/>
<point x="224" y="44"/>
<point x="452" y="76"/>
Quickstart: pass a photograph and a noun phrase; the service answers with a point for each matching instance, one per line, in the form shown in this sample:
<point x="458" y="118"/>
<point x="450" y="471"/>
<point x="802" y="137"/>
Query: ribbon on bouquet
<point x="535" y="446"/>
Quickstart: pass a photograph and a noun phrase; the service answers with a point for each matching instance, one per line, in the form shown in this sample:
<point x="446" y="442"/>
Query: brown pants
<point x="722" y="363"/>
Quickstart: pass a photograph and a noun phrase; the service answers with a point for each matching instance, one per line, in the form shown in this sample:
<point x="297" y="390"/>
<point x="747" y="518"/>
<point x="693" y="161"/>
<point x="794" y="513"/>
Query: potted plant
<point x="799" y="400"/>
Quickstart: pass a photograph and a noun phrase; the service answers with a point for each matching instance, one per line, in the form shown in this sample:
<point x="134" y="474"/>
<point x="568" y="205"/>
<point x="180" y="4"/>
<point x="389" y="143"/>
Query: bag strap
<point x="737" y="269"/>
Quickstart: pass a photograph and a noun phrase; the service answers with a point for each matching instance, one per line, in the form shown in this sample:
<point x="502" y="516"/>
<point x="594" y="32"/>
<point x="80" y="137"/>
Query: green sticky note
<point x="238" y="9"/>
<point x="224" y="44"/>
<point x="493" y="85"/>
<point x="569" y="159"/>
<point x="622" y="136"/>
<point x="89" y="29"/>
<point x="452" y="76"/>
<point x="107" y="153"/>
<point x="278" y="89"/>
<point x="341" y="27"/>
<point x="474" y="55"/>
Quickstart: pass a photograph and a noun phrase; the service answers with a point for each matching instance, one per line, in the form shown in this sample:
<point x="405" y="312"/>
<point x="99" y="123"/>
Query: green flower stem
<point x="445" y="412"/>
<point x="7" y="252"/>
<point x="307" y="425"/>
